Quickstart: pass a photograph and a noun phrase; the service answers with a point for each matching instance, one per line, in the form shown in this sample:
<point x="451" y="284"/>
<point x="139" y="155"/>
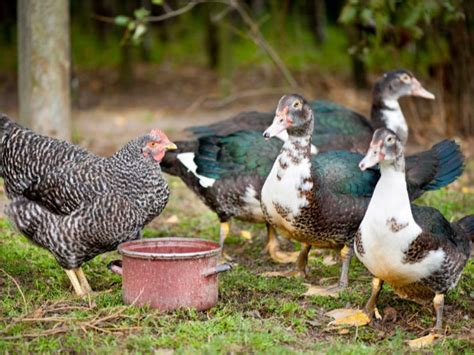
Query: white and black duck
<point x="236" y="194"/>
<point x="412" y="248"/>
<point x="320" y="200"/>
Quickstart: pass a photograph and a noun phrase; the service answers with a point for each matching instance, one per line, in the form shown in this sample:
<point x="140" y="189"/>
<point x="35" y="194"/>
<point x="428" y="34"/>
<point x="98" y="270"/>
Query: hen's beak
<point x="420" y="91"/>
<point x="171" y="146"/>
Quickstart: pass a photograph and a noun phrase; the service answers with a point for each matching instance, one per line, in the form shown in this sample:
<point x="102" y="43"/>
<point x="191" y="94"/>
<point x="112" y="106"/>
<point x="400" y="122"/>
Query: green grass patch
<point x="254" y="314"/>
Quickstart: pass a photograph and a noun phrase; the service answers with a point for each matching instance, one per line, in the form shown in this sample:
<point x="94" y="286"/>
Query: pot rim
<point x="122" y="249"/>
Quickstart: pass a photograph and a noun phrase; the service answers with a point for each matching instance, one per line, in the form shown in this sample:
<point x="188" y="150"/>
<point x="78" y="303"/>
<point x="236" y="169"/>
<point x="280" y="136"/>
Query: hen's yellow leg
<point x="83" y="280"/>
<point x="75" y="282"/>
<point x="273" y="248"/>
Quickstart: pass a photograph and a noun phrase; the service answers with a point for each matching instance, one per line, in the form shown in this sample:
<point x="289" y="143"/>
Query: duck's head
<point x="398" y="83"/>
<point x="384" y="147"/>
<point x="294" y="115"/>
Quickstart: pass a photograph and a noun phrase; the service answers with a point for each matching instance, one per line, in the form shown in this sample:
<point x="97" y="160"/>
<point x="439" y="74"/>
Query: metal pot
<point x="170" y="273"/>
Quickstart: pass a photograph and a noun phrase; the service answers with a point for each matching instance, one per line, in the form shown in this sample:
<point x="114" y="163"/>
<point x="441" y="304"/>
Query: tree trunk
<point x="44" y="66"/>
<point x="225" y="58"/>
<point x="317" y="19"/>
<point x="212" y="42"/>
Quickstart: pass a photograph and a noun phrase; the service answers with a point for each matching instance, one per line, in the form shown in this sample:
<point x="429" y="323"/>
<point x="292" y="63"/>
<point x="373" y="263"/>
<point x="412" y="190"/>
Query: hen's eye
<point x="390" y="140"/>
<point x="296" y="104"/>
<point x="152" y="144"/>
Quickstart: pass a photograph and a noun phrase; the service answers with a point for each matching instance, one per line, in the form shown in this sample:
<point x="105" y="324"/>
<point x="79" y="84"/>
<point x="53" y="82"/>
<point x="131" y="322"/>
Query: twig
<point x="255" y="33"/>
<point x="19" y="289"/>
<point x="160" y="18"/>
<point x="260" y="40"/>
<point x="174" y="13"/>
<point x="219" y="103"/>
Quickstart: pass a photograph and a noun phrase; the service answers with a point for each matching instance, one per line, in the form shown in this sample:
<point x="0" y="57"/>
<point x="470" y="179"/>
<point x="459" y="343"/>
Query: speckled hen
<point x="78" y="205"/>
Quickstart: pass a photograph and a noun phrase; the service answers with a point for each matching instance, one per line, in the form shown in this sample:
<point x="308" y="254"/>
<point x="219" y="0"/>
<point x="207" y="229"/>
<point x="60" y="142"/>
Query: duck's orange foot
<point x="330" y="291"/>
<point x="283" y="257"/>
<point x="244" y="234"/>
<point x="349" y="317"/>
<point x="427" y="340"/>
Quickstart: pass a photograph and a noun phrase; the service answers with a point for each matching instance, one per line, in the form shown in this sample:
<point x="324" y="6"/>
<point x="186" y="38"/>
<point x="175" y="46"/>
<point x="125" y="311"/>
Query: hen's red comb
<point x="158" y="134"/>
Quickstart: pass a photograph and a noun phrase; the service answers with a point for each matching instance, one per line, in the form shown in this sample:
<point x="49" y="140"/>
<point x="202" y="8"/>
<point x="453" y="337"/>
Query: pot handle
<point x="217" y="270"/>
<point x="116" y="267"/>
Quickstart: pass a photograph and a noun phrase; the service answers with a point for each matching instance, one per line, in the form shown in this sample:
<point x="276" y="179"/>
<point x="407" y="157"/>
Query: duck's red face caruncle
<point x="157" y="145"/>
<point x="385" y="146"/>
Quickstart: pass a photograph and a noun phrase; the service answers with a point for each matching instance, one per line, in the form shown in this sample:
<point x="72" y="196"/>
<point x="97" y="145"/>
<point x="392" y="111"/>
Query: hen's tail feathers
<point x="26" y="215"/>
<point x="5" y="123"/>
<point x="467" y="225"/>
<point x="450" y="164"/>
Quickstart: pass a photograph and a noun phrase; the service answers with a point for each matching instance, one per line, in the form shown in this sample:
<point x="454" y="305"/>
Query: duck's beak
<point x="418" y="90"/>
<point x="279" y="125"/>
<point x="171" y="146"/>
<point x="373" y="157"/>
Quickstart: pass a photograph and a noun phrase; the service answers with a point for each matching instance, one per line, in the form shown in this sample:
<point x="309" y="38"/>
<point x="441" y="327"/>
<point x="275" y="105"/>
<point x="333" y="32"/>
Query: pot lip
<point x="122" y="249"/>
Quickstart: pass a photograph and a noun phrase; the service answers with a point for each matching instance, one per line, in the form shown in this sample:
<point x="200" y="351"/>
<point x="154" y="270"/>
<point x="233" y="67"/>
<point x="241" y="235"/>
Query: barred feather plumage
<point x="74" y="203"/>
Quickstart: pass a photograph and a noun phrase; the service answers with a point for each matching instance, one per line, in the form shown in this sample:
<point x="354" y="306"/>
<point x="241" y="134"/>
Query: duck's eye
<point x="405" y="78"/>
<point x="296" y="104"/>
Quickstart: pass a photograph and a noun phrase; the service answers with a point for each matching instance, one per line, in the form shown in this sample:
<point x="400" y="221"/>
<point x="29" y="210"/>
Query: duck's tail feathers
<point x="434" y="168"/>
<point x="450" y="164"/>
<point x="467" y="225"/>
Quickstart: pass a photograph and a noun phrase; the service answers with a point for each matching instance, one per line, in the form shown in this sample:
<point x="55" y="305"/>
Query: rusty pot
<point x="170" y="273"/>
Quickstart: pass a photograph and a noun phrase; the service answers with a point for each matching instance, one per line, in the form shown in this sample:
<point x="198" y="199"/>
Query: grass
<point x="254" y="314"/>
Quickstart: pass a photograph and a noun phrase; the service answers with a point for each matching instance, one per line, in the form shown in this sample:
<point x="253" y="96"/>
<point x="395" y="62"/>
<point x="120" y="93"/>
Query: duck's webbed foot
<point x="334" y="290"/>
<point x="329" y="291"/>
<point x="300" y="267"/>
<point x="349" y="317"/>
<point x="273" y="248"/>
<point x="435" y="334"/>
<point x="358" y="317"/>
<point x="427" y="340"/>
<point x="223" y="234"/>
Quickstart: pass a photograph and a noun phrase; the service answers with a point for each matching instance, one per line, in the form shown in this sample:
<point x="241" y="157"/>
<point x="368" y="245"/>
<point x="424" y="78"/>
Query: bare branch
<point x="260" y="40"/>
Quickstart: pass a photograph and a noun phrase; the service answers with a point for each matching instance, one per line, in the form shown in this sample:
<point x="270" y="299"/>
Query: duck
<point x="336" y="128"/>
<point x="321" y="200"/>
<point x="413" y="248"/>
